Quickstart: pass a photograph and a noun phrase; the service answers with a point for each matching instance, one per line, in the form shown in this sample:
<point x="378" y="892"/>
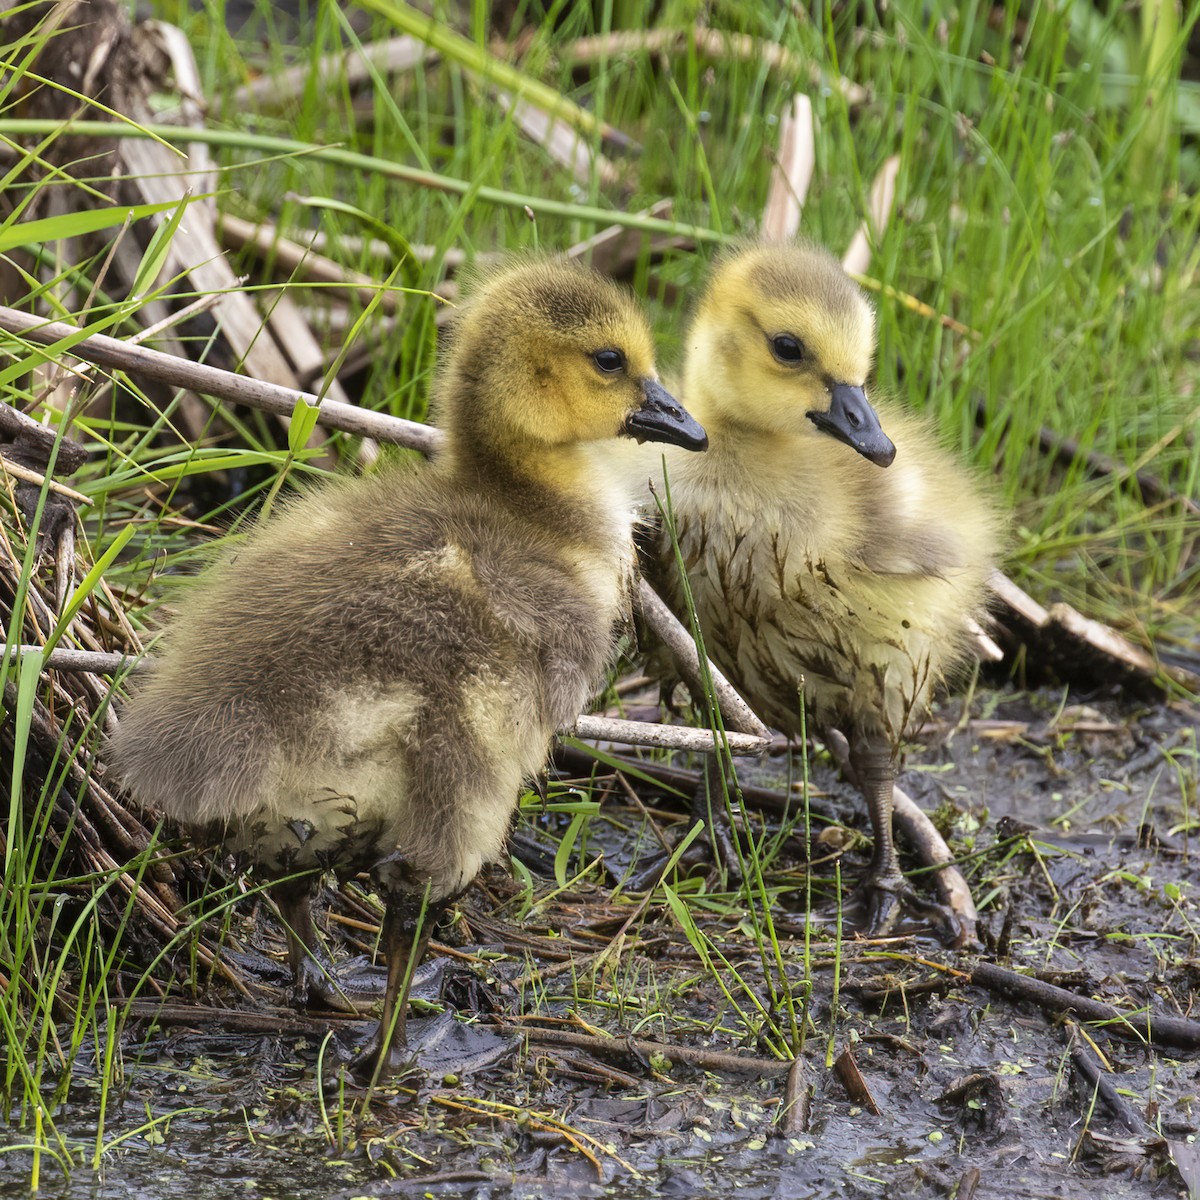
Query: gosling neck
<point x="569" y="487"/>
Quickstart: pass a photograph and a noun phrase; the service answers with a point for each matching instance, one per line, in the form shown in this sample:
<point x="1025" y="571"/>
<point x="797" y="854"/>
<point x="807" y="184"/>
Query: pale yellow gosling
<point x="365" y="683"/>
<point x="812" y="567"/>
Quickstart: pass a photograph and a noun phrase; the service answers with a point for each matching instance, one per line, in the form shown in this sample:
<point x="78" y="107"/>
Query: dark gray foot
<point x="438" y="1046"/>
<point x="351" y="987"/>
<point x="887" y="898"/>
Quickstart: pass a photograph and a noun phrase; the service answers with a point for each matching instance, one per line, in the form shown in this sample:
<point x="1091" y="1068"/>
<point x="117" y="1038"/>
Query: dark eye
<point x="609" y="361"/>
<point x="787" y="349"/>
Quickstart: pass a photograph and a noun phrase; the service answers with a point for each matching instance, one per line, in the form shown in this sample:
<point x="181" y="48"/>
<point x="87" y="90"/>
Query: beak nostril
<point x="854" y="419"/>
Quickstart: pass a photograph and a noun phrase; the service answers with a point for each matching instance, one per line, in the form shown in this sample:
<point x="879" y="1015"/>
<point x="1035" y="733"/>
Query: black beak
<point x="663" y="419"/>
<point x="852" y="420"/>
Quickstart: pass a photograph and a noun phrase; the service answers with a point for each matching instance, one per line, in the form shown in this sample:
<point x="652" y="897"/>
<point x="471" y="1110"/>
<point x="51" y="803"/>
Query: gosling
<point x="365" y="683"/>
<point x="811" y="567"/>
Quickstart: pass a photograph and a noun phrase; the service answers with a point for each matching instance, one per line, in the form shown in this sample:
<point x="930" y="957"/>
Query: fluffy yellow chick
<point x="811" y="566"/>
<point x="365" y="683"/>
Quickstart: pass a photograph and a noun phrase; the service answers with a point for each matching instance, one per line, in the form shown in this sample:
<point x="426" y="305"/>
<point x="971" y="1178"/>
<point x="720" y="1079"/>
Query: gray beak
<point x="852" y="420"/>
<point x="662" y="418"/>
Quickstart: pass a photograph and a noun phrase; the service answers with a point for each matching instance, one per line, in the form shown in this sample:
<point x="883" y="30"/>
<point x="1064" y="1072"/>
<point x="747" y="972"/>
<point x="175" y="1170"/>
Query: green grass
<point x="1048" y="200"/>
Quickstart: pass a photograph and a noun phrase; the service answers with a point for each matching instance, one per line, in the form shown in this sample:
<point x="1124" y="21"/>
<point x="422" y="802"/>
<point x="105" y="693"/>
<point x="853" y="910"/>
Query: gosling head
<point x="782" y="342"/>
<point x="547" y="353"/>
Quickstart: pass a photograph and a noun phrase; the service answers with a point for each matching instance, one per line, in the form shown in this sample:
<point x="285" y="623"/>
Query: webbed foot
<point x="887" y="897"/>
<point x="438" y="1046"/>
<point x="351" y="987"/>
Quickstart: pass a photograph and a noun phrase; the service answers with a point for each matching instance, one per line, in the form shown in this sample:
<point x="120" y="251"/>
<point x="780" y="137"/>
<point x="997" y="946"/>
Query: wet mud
<point x="1075" y="825"/>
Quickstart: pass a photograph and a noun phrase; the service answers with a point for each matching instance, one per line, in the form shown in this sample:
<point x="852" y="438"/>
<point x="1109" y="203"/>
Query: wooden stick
<point x="28" y="476"/>
<point x="662" y="621"/>
<point x="1133" y="1026"/>
<point x="118" y="355"/>
<point x="712" y="43"/>
<point x="630" y="1047"/>
<point x="1091" y="1071"/>
<point x="666" y="737"/>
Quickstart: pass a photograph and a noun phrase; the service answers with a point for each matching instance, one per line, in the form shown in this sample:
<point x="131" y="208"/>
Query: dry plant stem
<point x="921" y="832"/>
<point x="662" y="622"/>
<point x="1096" y="1080"/>
<point x="350" y="68"/>
<point x="297" y="260"/>
<point x="668" y="737"/>
<point x="629" y="1047"/>
<point x="1068" y="450"/>
<point x="229" y="1020"/>
<point x="713" y="43"/>
<point x="792" y="172"/>
<point x="797" y="1101"/>
<point x="763" y="799"/>
<point x="23" y="473"/>
<point x="610" y="249"/>
<point x="1133" y="1026"/>
<point x="117" y="355"/>
<point x="1108" y="651"/>
<point x="563" y="143"/>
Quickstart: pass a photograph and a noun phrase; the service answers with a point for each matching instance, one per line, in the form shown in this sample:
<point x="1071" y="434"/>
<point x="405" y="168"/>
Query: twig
<point x="563" y="143"/>
<point x="713" y="43"/>
<point x="1068" y="450"/>
<point x="1068" y="630"/>
<point x="28" y="476"/>
<point x="1133" y="1026"/>
<point x="686" y="781"/>
<point x="300" y="261"/>
<point x="1085" y="1061"/>
<point x="678" y="641"/>
<point x="666" y="737"/>
<point x="225" y="385"/>
<point x="615" y="249"/>
<point x="629" y="1047"/>
<point x="228" y="1019"/>
<point x="349" y="68"/>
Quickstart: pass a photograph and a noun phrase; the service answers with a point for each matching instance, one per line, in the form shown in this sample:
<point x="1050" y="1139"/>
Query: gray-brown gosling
<point x="365" y="683"/>
<point x="809" y="565"/>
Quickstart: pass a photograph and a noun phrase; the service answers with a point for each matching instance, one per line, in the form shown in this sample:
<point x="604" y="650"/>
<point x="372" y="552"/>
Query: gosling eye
<point x="609" y="361"/>
<point x="788" y="349"/>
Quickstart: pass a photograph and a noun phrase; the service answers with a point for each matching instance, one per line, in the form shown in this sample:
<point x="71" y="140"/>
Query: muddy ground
<point x="1076" y="822"/>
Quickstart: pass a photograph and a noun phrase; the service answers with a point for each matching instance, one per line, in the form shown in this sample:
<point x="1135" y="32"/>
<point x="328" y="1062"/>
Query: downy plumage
<point x="810" y="565"/>
<point x="365" y="683"/>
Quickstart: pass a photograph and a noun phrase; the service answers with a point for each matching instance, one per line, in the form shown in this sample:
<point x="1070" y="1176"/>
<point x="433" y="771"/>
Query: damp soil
<point x="1075" y="822"/>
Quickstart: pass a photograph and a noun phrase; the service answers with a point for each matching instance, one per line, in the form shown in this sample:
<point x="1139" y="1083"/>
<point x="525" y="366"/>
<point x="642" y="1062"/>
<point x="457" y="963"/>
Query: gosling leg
<point x="407" y="926"/>
<point x="714" y="848"/>
<point x="708" y="805"/>
<point x="313" y="981"/>
<point x="873" y="763"/>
